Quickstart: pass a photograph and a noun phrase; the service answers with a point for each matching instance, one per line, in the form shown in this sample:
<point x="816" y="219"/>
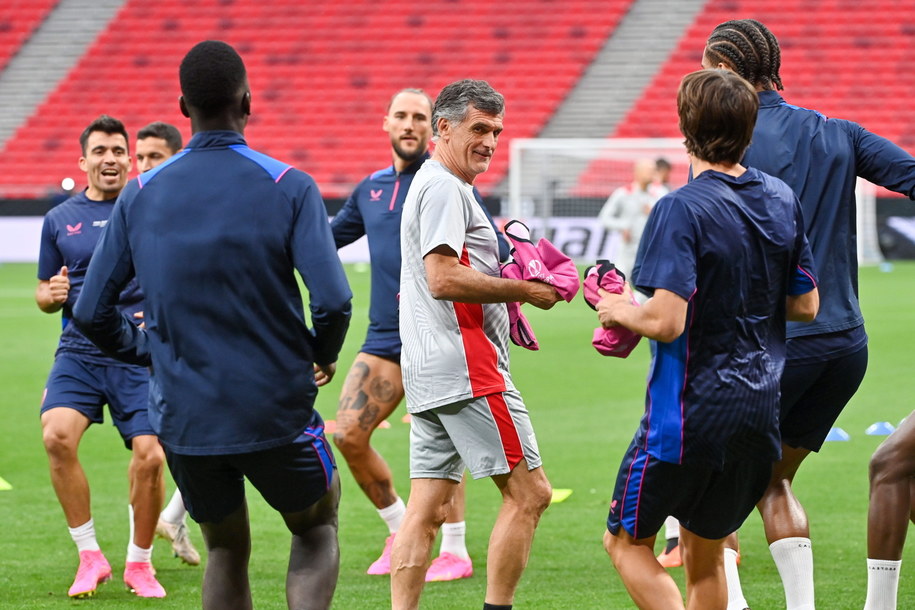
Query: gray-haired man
<point x="465" y="408"/>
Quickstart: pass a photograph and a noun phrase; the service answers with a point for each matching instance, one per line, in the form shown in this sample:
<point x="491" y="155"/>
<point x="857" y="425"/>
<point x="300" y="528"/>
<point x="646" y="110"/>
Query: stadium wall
<point x="578" y="236"/>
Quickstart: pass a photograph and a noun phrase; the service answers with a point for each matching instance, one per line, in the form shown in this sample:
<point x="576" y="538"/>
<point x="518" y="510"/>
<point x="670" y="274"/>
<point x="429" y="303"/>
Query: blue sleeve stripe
<point x="793" y="107"/>
<point x="666" y="410"/>
<point x="280" y="177"/>
<point x="388" y="171"/>
<point x="802" y="282"/>
<point x="275" y="168"/>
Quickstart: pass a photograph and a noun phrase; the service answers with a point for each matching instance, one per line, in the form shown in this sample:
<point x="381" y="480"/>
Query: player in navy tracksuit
<point x="725" y="261"/>
<point x="83" y="379"/>
<point x="820" y="159"/>
<point x="373" y="387"/>
<point x="215" y="235"/>
<point x="156" y="143"/>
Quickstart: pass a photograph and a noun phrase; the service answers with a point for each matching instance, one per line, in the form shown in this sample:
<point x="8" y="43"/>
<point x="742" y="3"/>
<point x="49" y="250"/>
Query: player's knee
<point x="609" y="543"/>
<point x="351" y="445"/>
<point x="537" y="495"/>
<point x="148" y="458"/>
<point x="59" y="443"/>
<point x="543" y="497"/>
<point x="884" y="465"/>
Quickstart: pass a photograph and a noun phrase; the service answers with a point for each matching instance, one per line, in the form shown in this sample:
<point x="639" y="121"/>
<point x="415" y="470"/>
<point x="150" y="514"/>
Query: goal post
<point x="557" y="187"/>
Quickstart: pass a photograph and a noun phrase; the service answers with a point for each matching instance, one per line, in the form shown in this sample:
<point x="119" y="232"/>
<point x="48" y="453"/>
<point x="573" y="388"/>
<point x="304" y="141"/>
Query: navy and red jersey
<point x="820" y="158"/>
<point x="734" y="248"/>
<point x="68" y="236"/>
<point x="215" y="235"/>
<point x="374" y="209"/>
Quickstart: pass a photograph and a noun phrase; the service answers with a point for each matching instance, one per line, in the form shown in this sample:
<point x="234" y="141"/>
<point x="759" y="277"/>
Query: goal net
<point x="558" y="186"/>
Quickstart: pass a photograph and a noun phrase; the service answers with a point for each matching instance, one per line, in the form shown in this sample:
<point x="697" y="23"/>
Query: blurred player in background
<point x="724" y="260"/>
<point x="216" y="235"/>
<point x="627" y="210"/>
<point x="83" y="379"/>
<point x="820" y="159"/>
<point x="454" y="326"/>
<point x="663" y="169"/>
<point x="373" y="387"/>
<point x="156" y="143"/>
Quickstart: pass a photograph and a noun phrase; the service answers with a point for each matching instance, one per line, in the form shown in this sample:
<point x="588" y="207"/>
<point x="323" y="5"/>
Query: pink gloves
<point x="617" y="341"/>
<point x="543" y="262"/>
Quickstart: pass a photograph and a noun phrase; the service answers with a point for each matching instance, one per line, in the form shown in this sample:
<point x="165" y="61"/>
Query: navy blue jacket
<point x="374" y="209"/>
<point x="734" y="249"/>
<point x="214" y="236"/>
<point x="69" y="235"/>
<point x="820" y="158"/>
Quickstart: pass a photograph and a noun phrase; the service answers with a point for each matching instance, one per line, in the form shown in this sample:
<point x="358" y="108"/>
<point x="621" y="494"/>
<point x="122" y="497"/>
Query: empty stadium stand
<point x="321" y="74"/>
<point x="844" y="58"/>
<point x="18" y="19"/>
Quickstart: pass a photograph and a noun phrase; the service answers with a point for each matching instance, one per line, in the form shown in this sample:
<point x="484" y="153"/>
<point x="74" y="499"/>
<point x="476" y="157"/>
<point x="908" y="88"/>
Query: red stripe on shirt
<point x="479" y="352"/>
<point x="511" y="442"/>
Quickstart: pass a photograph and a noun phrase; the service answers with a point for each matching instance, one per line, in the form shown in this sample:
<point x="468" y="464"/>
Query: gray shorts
<point x="489" y="435"/>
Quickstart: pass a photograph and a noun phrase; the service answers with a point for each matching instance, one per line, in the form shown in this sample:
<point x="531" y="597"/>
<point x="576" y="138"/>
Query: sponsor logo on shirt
<point x="376" y="195"/>
<point x="99" y="223"/>
<point x="75" y="230"/>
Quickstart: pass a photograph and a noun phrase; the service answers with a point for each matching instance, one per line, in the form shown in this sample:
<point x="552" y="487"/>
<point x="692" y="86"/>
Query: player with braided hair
<point x="820" y="159"/>
<point x="748" y="48"/>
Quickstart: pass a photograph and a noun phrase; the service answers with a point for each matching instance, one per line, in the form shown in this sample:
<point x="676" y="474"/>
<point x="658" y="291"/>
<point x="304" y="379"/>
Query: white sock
<point x="736" y="600"/>
<point x="882" y="584"/>
<point x="671" y="528"/>
<point x="130" y="520"/>
<point x="794" y="560"/>
<point x="393" y="515"/>
<point x="453" y="539"/>
<point x="174" y="511"/>
<point x="137" y="554"/>
<point x="84" y="537"/>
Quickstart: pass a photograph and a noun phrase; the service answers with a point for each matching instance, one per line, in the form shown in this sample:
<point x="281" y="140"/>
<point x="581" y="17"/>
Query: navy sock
<point x="496" y="607"/>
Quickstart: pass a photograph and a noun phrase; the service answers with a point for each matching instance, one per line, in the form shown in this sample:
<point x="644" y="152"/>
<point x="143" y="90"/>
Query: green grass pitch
<point x="584" y="407"/>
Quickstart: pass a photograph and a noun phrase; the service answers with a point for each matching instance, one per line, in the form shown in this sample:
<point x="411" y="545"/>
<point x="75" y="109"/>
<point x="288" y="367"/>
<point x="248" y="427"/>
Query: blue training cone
<point x="837" y="434"/>
<point x="881" y="428"/>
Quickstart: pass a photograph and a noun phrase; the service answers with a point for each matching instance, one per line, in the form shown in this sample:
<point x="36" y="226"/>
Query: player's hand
<point x="609" y="305"/>
<point x="59" y="286"/>
<point x="139" y="316"/>
<point x="323" y="374"/>
<point x="541" y="294"/>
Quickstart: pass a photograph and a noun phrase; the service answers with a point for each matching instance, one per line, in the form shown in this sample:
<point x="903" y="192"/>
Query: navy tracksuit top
<point x="214" y="236"/>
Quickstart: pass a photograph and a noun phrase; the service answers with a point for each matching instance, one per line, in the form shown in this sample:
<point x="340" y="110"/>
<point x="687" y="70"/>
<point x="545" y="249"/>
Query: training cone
<point x="560" y="495"/>
<point x="881" y="428"/>
<point x="837" y="434"/>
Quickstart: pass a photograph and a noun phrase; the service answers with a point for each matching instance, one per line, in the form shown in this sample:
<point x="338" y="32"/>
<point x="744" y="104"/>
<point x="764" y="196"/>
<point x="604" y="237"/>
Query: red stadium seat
<point x="321" y="74"/>
<point x="18" y="19"/>
<point x="844" y="59"/>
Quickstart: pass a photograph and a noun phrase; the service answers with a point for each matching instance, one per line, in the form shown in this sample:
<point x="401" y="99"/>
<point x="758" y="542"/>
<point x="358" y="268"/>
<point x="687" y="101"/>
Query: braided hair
<point x="750" y="49"/>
